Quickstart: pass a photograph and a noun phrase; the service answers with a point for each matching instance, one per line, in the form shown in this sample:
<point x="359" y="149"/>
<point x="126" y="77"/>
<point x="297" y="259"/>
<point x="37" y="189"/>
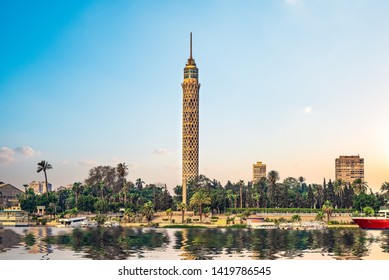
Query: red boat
<point x="381" y="222"/>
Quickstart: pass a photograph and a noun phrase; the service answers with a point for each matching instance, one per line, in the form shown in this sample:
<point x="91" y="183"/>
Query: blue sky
<point x="292" y="83"/>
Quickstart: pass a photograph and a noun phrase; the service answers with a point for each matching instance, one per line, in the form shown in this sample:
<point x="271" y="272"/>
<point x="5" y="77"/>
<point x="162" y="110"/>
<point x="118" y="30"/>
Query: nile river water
<point x="45" y="243"/>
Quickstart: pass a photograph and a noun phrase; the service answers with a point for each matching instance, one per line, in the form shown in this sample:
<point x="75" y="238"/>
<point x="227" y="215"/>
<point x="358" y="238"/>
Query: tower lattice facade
<point x="190" y="123"/>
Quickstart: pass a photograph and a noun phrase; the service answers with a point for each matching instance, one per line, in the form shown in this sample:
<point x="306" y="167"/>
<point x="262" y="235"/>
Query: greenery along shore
<point x="107" y="189"/>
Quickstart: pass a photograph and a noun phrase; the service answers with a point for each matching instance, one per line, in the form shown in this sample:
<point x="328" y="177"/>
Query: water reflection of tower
<point x="40" y="246"/>
<point x="190" y="123"/>
<point x="184" y="243"/>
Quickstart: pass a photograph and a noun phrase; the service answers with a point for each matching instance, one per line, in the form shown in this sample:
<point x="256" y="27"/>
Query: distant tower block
<point x="259" y="171"/>
<point x="349" y="168"/>
<point x="190" y="123"/>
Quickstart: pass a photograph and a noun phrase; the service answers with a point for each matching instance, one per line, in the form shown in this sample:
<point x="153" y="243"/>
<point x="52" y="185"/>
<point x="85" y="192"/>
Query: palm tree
<point x="169" y="213"/>
<point x="385" y="189"/>
<point x="360" y="186"/>
<point x="230" y="197"/>
<point x="327" y="208"/>
<point x="77" y="189"/>
<point x="295" y="218"/>
<point x="148" y="210"/>
<point x="53" y="208"/>
<point x="256" y="197"/>
<point x="139" y="183"/>
<point x="129" y="214"/>
<point x="241" y="183"/>
<point x="44" y="166"/>
<point x="273" y="176"/>
<point x="122" y="171"/>
<point x="319" y="216"/>
<point x="182" y="206"/>
<point x="200" y="198"/>
<point x="339" y="185"/>
<point x="100" y="187"/>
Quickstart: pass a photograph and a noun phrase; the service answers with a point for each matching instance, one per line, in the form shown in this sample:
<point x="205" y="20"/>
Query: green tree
<point x="385" y="190"/>
<point x="101" y="206"/>
<point x="148" y="210"/>
<point x="311" y="197"/>
<point x="73" y="212"/>
<point x="360" y="186"/>
<point x="339" y="189"/>
<point x="241" y="184"/>
<point x="77" y="189"/>
<point x="368" y="211"/>
<point x="169" y="213"/>
<point x="122" y="171"/>
<point x="129" y="215"/>
<point x="182" y="206"/>
<point x="273" y="176"/>
<point x="139" y="183"/>
<point x="362" y="200"/>
<point x="295" y="218"/>
<point x="256" y="197"/>
<point x="319" y="216"/>
<point x="327" y="208"/>
<point x="199" y="199"/>
<point x="104" y="177"/>
<point x="28" y="201"/>
<point x="44" y="166"/>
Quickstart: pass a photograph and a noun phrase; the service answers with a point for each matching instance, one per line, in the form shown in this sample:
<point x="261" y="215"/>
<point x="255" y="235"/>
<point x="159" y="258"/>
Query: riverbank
<point x="161" y="220"/>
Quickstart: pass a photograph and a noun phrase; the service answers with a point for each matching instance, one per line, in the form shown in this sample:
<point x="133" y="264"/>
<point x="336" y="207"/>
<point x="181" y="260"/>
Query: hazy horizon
<point x="291" y="83"/>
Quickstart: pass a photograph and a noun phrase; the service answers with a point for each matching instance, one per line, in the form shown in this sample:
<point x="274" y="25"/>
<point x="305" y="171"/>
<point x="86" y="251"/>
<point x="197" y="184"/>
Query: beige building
<point x="8" y="195"/>
<point x="259" y="171"/>
<point x="40" y="187"/>
<point x="349" y="168"/>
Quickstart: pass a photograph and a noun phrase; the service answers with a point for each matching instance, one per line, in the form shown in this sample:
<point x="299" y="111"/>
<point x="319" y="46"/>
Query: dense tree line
<point x="107" y="190"/>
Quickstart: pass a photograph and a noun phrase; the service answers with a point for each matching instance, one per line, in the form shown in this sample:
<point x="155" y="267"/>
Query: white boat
<point x="89" y="224"/>
<point x="263" y="225"/>
<point x="111" y="224"/>
<point x="71" y="222"/>
<point x="13" y="217"/>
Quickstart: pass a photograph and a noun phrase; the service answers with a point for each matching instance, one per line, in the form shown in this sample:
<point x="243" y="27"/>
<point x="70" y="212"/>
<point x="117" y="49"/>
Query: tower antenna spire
<point x="191" y="45"/>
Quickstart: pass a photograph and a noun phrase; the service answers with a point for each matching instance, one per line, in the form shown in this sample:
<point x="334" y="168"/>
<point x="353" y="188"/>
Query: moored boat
<point x="13" y="216"/>
<point x="110" y="224"/>
<point x="89" y="224"/>
<point x="71" y="222"/>
<point x="380" y="222"/>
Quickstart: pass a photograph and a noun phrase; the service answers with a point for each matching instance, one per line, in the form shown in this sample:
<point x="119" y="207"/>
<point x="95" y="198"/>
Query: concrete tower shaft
<point x="190" y="123"/>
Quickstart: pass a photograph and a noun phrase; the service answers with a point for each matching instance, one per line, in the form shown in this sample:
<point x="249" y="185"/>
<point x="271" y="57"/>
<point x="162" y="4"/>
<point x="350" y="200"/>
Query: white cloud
<point x="65" y="162"/>
<point x="307" y="110"/>
<point x="26" y="151"/>
<point x="161" y="152"/>
<point x="6" y="155"/>
<point x="88" y="163"/>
